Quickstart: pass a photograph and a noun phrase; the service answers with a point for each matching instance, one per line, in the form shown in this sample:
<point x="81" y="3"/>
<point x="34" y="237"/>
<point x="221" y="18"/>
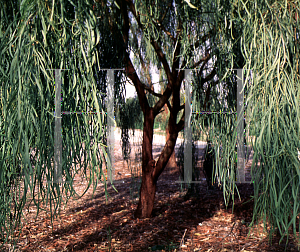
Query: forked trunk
<point x="151" y="170"/>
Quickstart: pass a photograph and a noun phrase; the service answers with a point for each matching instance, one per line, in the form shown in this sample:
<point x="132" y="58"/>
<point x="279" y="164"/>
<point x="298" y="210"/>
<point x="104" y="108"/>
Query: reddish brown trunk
<point x="172" y="161"/>
<point x="147" y="194"/>
<point x="150" y="169"/>
<point x="148" y="186"/>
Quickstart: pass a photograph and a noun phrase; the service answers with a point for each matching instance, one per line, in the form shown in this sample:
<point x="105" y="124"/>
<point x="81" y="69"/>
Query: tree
<point x="40" y="35"/>
<point x="80" y="40"/>
<point x="159" y="35"/>
<point x="272" y="53"/>
<point x="35" y="37"/>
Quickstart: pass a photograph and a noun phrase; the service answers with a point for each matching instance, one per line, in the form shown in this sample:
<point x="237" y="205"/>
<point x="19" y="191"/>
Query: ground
<point x="201" y="223"/>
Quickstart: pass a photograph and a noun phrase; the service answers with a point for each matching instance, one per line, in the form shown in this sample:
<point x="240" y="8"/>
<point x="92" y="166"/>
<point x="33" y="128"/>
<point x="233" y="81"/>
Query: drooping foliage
<point x="37" y="37"/>
<point x="268" y="37"/>
<point x="271" y="45"/>
<point x="84" y="36"/>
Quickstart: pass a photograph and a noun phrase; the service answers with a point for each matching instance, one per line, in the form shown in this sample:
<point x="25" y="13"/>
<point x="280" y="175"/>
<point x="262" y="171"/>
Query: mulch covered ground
<point x="178" y="224"/>
<point x="200" y="223"/>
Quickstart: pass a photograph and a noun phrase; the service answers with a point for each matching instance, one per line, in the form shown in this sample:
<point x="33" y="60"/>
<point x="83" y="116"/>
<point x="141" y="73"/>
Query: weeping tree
<point x="271" y="45"/>
<point x="37" y="37"/>
<point x="271" y="52"/>
<point x="86" y="36"/>
<point x="172" y="36"/>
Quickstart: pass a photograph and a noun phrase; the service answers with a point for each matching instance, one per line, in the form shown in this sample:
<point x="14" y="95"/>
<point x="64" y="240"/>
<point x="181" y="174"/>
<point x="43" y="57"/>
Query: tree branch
<point x="156" y="47"/>
<point x="150" y="90"/>
<point x="130" y="71"/>
<point x="166" y="31"/>
<point x="180" y="124"/>
<point x="163" y="99"/>
<point x="162" y="58"/>
<point x="204" y="59"/>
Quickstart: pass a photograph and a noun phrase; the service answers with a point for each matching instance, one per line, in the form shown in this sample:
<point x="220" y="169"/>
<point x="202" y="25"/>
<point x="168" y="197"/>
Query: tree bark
<point x="172" y="161"/>
<point x="148" y="186"/>
<point x="147" y="193"/>
<point x="151" y="170"/>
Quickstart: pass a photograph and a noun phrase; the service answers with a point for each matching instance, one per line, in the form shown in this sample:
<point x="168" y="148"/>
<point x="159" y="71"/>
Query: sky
<point x="130" y="89"/>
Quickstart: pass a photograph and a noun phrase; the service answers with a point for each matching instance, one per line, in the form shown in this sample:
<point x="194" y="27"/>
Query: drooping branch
<point x="155" y="45"/>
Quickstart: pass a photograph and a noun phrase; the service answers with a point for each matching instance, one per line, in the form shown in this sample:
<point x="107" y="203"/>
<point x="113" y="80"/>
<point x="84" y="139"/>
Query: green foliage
<point x="271" y="46"/>
<point x="135" y="113"/>
<point x="36" y="38"/>
<point x="39" y="35"/>
<point x="268" y="36"/>
<point x="129" y="117"/>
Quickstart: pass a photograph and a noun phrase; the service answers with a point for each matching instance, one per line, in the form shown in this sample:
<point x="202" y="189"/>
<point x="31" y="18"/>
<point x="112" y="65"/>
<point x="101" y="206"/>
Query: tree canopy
<point x="86" y="37"/>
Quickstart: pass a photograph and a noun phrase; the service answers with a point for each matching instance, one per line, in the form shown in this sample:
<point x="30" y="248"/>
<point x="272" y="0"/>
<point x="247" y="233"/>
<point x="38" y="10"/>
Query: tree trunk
<point x="151" y="170"/>
<point x="148" y="186"/>
<point x="172" y="161"/>
<point x="147" y="194"/>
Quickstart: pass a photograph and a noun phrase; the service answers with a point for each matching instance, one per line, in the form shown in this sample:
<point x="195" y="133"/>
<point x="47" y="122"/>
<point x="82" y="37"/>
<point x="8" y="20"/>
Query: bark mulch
<point x="178" y="224"/>
<point x="199" y="223"/>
